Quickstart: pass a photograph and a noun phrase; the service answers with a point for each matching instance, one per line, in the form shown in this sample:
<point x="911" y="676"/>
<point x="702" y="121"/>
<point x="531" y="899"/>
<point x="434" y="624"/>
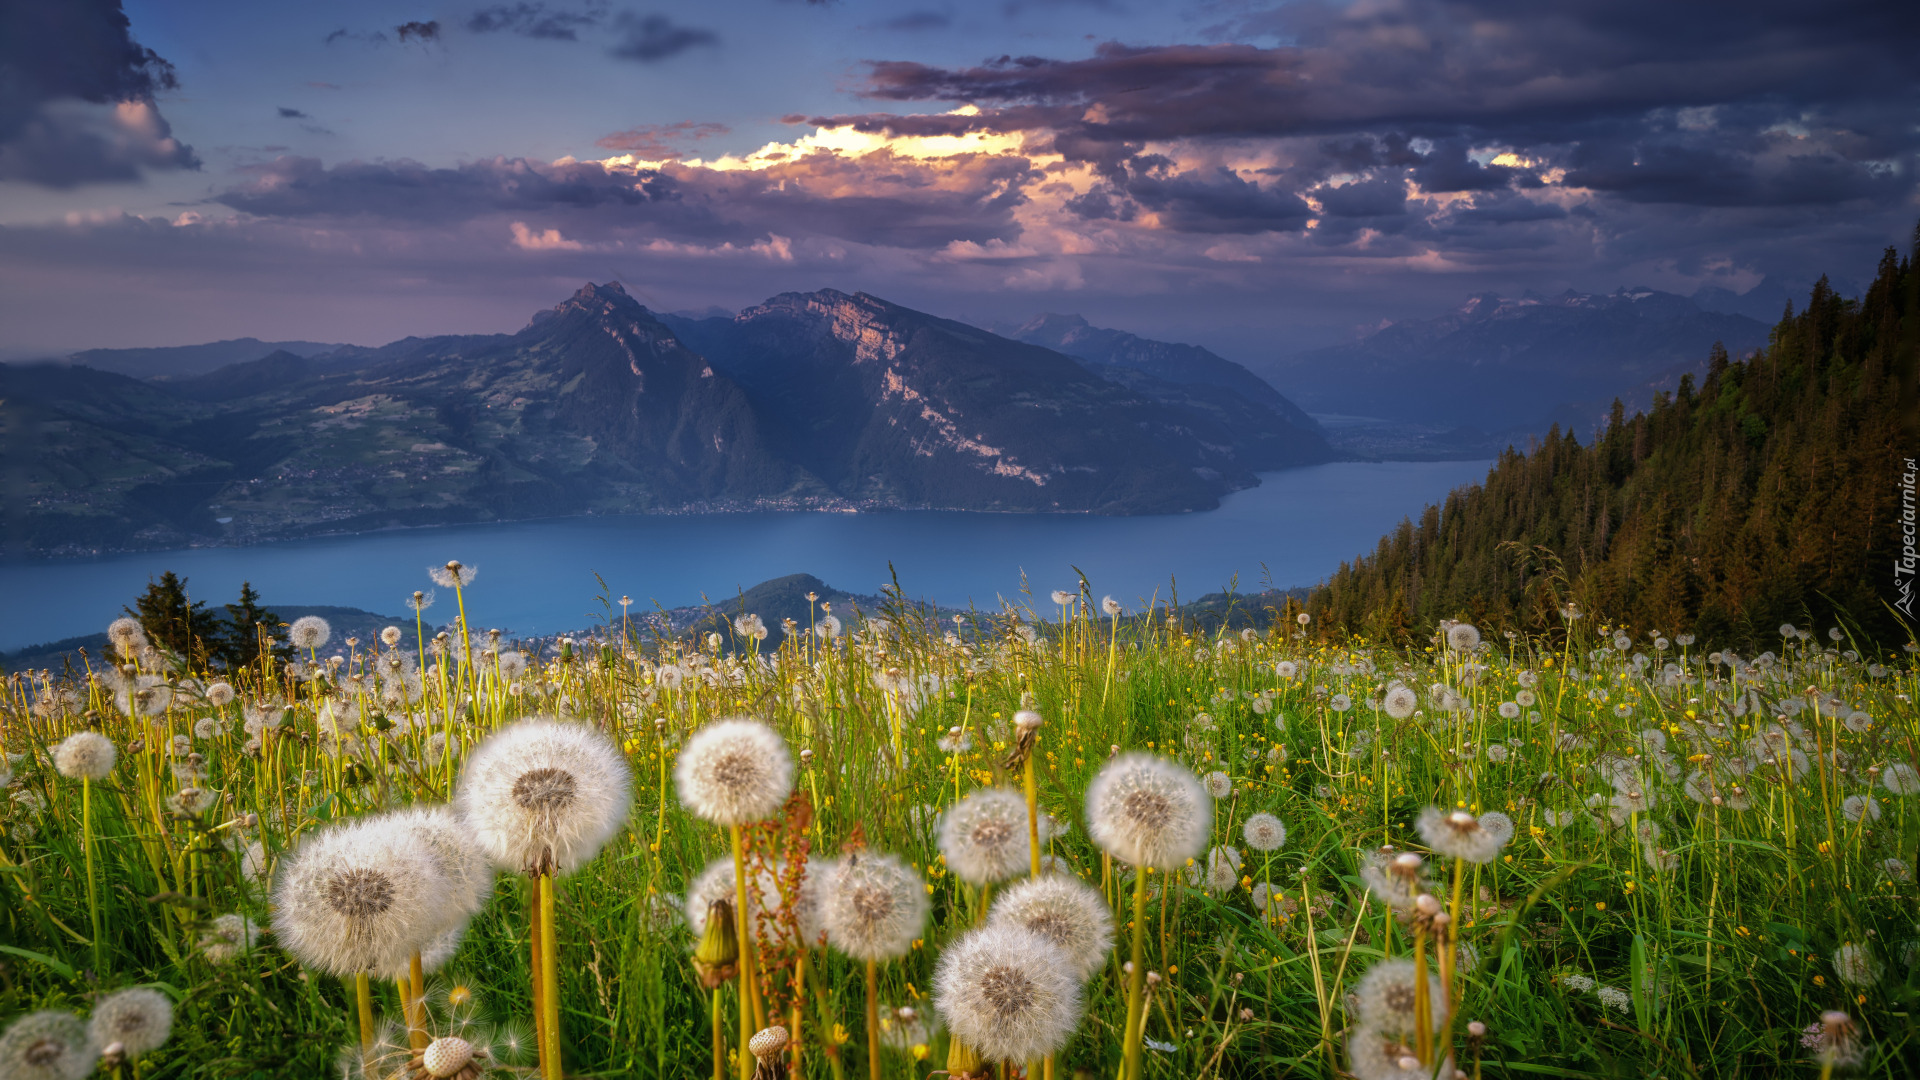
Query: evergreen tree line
<point x="186" y="628"/>
<point x="1768" y="494"/>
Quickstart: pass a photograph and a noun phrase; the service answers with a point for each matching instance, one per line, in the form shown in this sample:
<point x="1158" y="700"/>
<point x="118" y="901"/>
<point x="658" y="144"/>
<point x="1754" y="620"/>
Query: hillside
<point x="1768" y="494"/>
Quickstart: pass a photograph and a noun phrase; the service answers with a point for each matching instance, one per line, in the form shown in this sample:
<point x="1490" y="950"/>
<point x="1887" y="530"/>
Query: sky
<point x="1257" y="177"/>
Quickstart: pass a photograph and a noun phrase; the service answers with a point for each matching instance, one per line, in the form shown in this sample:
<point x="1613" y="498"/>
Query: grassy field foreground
<point x="1707" y="852"/>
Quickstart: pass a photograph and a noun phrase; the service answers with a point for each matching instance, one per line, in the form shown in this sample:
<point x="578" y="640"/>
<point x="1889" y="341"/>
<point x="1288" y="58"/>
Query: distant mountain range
<point x="185" y="361"/>
<point x="817" y="399"/>
<point x="1507" y="364"/>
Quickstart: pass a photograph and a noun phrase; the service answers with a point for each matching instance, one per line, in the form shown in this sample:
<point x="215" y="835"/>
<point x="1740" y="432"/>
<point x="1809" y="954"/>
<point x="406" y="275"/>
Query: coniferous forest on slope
<point x="1767" y="494"/>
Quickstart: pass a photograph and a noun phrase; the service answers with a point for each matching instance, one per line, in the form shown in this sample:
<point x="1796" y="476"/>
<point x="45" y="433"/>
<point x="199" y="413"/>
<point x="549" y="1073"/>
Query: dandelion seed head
<point x="47" y="1045"/>
<point x="1510" y="710"/>
<point x="1286" y="669"/>
<point x="874" y="906"/>
<point x="1062" y="597"/>
<point x="1856" y="965"/>
<point x="1375" y="1055"/>
<point x="1008" y="992"/>
<point x="1386" y="999"/>
<point x="1856" y="807"/>
<point x="750" y="627"/>
<point x="220" y="694"/>
<point x="1148" y="811"/>
<point x="1497" y="824"/>
<point x="984" y="836"/>
<point x="1264" y="832"/>
<point x="1399" y="702"/>
<point x="1219" y="784"/>
<point x="138" y="1018"/>
<point x="85" y="755"/>
<point x="1457" y="835"/>
<point x="1463" y="637"/>
<point x="453" y="575"/>
<point x="358" y="897"/>
<point x="468" y="871"/>
<point x="1110" y="606"/>
<point x="446" y="1056"/>
<point x="1065" y="911"/>
<point x="713" y="883"/>
<point x="1900" y="778"/>
<point x="309" y="632"/>
<point x="228" y="938"/>
<point x="734" y="772"/>
<point x="543" y="790"/>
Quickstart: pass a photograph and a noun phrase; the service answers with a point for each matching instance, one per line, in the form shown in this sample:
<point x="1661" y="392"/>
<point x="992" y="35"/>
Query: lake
<point x="537" y="577"/>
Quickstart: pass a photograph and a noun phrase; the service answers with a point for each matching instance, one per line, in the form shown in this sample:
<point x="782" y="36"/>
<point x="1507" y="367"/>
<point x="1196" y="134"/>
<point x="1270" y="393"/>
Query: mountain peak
<point x="592" y="300"/>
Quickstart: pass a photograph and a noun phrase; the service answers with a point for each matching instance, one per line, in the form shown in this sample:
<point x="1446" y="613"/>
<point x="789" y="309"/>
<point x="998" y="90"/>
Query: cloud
<point x="647" y="38"/>
<point x="418" y="31"/>
<point x="77" y="98"/>
<point x="656" y="142"/>
<point x="545" y="240"/>
<point x="537" y="20"/>
<point x="293" y="114"/>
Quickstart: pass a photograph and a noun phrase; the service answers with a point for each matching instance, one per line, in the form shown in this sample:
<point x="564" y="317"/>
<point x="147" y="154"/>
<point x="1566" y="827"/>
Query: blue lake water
<point x="537" y="577"/>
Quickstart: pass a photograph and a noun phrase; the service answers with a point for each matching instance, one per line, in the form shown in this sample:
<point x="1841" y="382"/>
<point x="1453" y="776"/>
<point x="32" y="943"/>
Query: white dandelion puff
<point x="1264" y="832"/>
<point x="228" y="938"/>
<point x="1219" y="784"/>
<point x="1496" y="824"/>
<point x="1067" y="912"/>
<point x="468" y="871"/>
<point x="1286" y="669"/>
<point x="220" y="694"/>
<point x="1374" y="1055"/>
<point x="874" y="906"/>
<point x="359" y="896"/>
<point x="453" y="575"/>
<point x="85" y="755"/>
<point x="751" y="627"/>
<point x="714" y="883"/>
<point x="984" y="836"/>
<point x="1399" y="702"/>
<point x="734" y="772"/>
<point x="1900" y="778"/>
<point x="1856" y="807"/>
<point x="1510" y="710"/>
<point x="1458" y="835"/>
<point x="1463" y="637"/>
<point x="1110" y="606"/>
<point x="1856" y="965"/>
<point x="1386" y="997"/>
<point x="1007" y="992"/>
<point x="139" y="1018"/>
<point x="1148" y="811"/>
<point x="544" y="793"/>
<point x="309" y="632"/>
<point x="47" y="1046"/>
<point x="1062" y="597"/>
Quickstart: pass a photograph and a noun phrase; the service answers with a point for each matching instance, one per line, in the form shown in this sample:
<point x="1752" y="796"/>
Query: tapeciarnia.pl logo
<point x="1905" y="565"/>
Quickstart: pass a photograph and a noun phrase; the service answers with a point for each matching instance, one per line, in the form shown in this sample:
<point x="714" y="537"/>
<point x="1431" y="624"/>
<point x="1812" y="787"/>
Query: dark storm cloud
<point x="63" y="68"/>
<point x="537" y="20"/>
<point x="1691" y="103"/>
<point x="875" y="200"/>
<point x="418" y="31"/>
<point x="647" y="38"/>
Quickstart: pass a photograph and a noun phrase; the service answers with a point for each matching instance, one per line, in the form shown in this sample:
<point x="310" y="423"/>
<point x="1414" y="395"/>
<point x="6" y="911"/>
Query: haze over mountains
<point x="817" y="400"/>
<point x="1519" y="363"/>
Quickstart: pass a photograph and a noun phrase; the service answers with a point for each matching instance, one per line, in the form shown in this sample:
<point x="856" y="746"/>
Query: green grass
<point x="1721" y="940"/>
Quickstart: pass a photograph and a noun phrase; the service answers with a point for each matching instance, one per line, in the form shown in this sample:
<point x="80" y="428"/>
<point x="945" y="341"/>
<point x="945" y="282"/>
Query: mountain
<point x="817" y="400"/>
<point x="184" y="361"/>
<point x="1769" y="494"/>
<point x="896" y="406"/>
<point x="1499" y="363"/>
<point x="1221" y="399"/>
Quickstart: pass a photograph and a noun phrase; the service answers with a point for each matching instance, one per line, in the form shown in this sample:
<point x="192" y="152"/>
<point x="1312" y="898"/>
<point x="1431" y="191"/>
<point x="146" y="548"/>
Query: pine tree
<point x="173" y="621"/>
<point x="247" y="621"/>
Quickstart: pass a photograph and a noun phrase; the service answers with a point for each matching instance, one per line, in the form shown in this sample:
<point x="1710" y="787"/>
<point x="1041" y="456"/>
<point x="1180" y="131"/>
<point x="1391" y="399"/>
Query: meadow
<point x="1605" y="851"/>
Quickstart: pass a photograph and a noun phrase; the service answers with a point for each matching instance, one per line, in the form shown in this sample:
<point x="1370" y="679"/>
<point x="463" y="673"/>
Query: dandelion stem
<point x="873" y="1020"/>
<point x="1136" y="980"/>
<point x="748" y="1023"/>
<point x="416" y="989"/>
<point x="363" y="996"/>
<point x="719" y="1037"/>
<point x="1422" y="1005"/>
<point x="93" y="902"/>
<point x="550" y="976"/>
<point x="1033" y="809"/>
<point x="536" y="970"/>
